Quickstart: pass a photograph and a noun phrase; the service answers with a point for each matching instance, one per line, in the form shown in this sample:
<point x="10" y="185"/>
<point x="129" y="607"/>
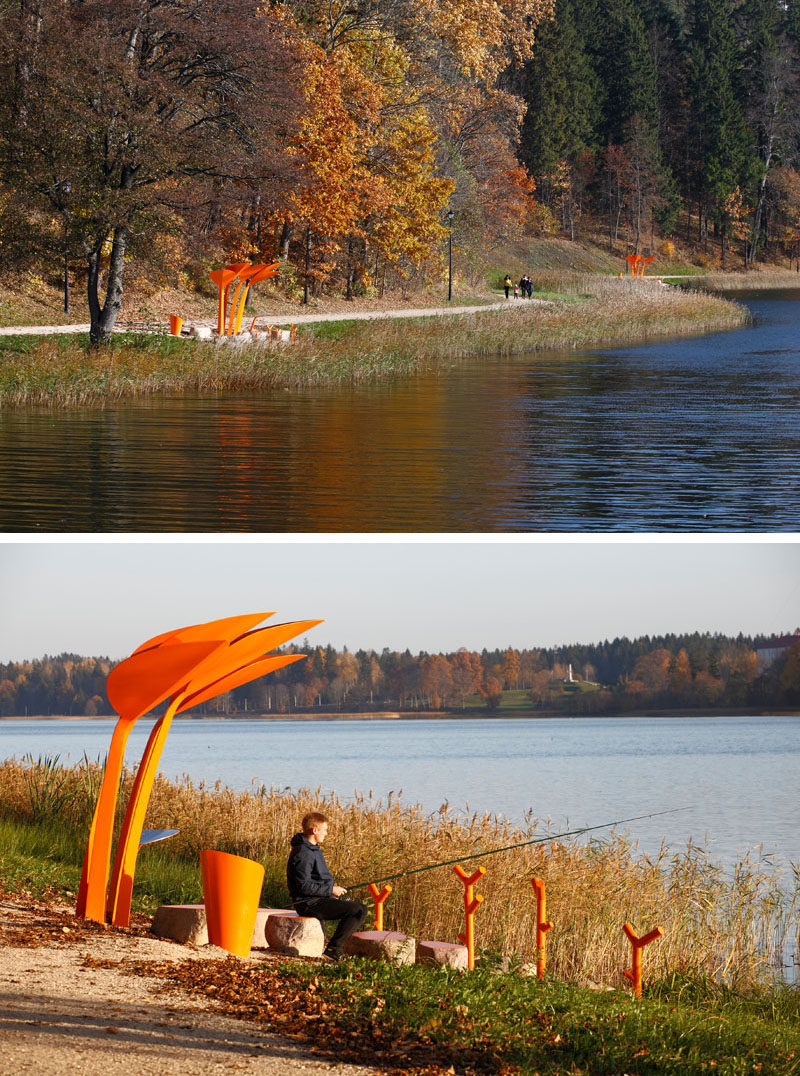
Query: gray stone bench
<point x="444" y="954"/>
<point x="381" y="945"/>
<point x="186" y="923"/>
<point x="295" y="935"/>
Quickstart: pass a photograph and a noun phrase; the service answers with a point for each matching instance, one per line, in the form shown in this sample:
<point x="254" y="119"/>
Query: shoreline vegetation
<point x="716" y="996"/>
<point x="737" y="928"/>
<point x="588" y="311"/>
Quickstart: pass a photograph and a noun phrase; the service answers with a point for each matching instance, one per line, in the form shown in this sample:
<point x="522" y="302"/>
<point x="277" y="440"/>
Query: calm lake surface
<point x="694" y="434"/>
<point x="738" y="775"/>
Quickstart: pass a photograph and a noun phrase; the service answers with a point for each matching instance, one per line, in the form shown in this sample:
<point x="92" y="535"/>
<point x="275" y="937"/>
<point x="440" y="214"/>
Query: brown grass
<point x="731" y="927"/>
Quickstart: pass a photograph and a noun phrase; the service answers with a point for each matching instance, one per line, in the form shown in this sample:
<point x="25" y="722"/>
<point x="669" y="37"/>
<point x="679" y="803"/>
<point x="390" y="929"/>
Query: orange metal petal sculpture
<point x="188" y="666"/>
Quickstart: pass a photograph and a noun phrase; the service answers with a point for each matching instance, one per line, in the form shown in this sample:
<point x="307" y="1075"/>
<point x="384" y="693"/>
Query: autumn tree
<point x="491" y="691"/>
<point x="435" y="679"/>
<point x="466" y="672"/>
<point x="117" y="118"/>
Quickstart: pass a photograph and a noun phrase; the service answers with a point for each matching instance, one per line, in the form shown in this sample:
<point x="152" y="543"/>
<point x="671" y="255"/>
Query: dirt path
<point x="62" y="1014"/>
<point x="292" y="319"/>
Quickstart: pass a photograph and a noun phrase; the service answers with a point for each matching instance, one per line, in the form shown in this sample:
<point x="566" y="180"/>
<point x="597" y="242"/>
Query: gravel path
<point x="293" y="319"/>
<point x="61" y="1014"/>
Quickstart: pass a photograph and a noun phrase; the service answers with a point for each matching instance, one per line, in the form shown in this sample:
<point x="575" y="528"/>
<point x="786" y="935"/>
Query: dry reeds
<point x="60" y="372"/>
<point x="730" y="927"/>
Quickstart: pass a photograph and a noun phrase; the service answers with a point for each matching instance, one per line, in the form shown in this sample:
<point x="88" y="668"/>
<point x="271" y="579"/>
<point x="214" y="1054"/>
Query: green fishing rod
<point x="512" y="847"/>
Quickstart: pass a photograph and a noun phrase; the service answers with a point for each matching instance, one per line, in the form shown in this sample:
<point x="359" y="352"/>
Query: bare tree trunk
<point x="350" y="272"/>
<point x="283" y="242"/>
<point x="103" y="318"/>
<point x="308" y="266"/>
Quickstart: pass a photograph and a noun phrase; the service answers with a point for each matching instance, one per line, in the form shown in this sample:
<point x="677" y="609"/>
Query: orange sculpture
<point x="187" y="666"/>
<point x="471" y="905"/>
<point x="248" y="275"/>
<point x="542" y="926"/>
<point x="637" y="944"/>
<point x="378" y="897"/>
<point x="637" y="262"/>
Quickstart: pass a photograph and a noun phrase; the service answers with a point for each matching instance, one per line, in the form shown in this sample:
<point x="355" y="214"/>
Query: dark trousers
<point x="350" y="913"/>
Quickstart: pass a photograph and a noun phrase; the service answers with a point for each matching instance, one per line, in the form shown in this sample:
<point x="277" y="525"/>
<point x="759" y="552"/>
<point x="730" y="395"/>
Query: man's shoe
<point x="333" y="954"/>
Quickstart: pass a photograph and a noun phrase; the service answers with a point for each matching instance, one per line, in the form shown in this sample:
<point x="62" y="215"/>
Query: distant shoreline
<point x="388" y="715"/>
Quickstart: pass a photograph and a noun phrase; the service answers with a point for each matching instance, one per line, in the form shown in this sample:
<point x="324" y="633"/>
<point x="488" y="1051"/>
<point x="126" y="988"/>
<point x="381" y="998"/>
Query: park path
<point x="292" y="319"/>
<point x="68" y="1008"/>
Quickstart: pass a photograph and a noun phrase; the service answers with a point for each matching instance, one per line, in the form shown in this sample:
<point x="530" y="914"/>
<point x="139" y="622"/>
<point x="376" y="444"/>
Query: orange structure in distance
<point x="248" y="275"/>
<point x="187" y="666"/>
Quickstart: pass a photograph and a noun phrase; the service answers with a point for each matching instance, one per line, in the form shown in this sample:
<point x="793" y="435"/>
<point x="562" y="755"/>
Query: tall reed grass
<point x="730" y="927"/>
<point x="60" y="371"/>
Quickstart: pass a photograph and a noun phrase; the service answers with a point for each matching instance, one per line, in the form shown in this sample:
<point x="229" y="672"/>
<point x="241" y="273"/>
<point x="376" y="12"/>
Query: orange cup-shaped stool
<point x="175" y="325"/>
<point x="231" y="892"/>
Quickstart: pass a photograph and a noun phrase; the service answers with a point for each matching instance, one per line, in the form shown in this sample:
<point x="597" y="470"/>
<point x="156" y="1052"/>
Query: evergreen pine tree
<point x="722" y="153"/>
<point x="562" y="94"/>
<point x="624" y="65"/>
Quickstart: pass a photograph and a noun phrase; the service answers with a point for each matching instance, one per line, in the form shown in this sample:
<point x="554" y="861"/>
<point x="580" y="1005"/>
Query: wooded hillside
<point x="694" y="670"/>
<point x="339" y="136"/>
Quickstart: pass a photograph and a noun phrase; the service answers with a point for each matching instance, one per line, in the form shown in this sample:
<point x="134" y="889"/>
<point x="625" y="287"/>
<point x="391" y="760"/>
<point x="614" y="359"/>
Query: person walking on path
<point x="314" y="893"/>
<point x="507" y="284"/>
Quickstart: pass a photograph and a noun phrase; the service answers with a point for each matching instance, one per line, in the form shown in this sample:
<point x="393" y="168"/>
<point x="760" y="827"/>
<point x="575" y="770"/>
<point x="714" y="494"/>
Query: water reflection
<point x="698" y="434"/>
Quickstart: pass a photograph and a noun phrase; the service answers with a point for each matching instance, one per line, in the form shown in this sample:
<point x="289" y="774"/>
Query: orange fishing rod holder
<point x="471" y="905"/>
<point x="637" y="944"/>
<point x="378" y="898"/>
<point x="542" y="926"/>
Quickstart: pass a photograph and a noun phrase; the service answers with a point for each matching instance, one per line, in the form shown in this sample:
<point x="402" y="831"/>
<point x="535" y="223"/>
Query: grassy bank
<point x="727" y="928"/>
<point x="425" y="1021"/>
<point x="61" y="371"/>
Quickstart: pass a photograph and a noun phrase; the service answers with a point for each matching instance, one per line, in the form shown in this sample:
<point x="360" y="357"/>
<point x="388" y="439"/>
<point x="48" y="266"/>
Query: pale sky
<point x="104" y="597"/>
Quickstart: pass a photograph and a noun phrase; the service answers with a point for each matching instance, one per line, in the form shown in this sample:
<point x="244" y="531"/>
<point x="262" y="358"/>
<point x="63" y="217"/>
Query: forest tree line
<point x="641" y="110"/>
<point x="349" y="138"/>
<point x="693" y="670"/>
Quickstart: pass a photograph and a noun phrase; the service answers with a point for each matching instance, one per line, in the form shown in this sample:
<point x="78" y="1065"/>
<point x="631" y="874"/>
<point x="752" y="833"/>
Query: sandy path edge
<point x="288" y="319"/>
<point x="60" y="1014"/>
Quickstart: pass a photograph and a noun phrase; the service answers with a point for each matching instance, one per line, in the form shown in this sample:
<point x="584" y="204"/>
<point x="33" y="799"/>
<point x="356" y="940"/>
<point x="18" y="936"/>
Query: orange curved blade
<point x="236" y="267"/>
<point x="239" y="677"/>
<point x="222" y="277"/>
<point x="252" y="271"/>
<point x="244" y="651"/>
<point x="144" y="680"/>
<point x="228" y="628"/>
<point x="264" y="273"/>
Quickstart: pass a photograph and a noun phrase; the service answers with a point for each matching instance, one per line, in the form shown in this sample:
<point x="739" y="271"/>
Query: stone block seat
<point x="186" y="923"/>
<point x="295" y="935"/>
<point x="381" y="945"/>
<point x="445" y="954"/>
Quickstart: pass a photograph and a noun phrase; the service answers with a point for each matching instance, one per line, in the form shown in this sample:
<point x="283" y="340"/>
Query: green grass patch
<point x="424" y="1020"/>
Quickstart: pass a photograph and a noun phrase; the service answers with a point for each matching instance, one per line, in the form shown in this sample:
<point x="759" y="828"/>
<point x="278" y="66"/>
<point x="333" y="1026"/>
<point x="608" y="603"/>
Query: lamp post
<point x="450" y="216"/>
<point x="66" y="186"/>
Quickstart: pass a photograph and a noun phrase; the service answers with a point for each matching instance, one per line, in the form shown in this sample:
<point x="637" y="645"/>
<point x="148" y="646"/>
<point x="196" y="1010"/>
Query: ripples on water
<point x="694" y="434"/>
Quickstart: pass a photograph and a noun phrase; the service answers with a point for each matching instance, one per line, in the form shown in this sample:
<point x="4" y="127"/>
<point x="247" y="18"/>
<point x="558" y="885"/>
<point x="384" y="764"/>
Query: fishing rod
<point x="512" y="847"/>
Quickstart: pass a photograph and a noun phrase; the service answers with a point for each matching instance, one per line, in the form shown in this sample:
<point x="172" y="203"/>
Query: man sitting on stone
<point x="313" y="890"/>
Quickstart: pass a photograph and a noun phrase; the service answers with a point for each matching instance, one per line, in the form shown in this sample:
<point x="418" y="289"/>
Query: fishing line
<point x="512" y="847"/>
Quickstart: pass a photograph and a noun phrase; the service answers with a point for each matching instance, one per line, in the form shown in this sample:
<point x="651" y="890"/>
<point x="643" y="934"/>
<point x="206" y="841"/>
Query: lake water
<point x="698" y="434"/>
<point x="739" y="776"/>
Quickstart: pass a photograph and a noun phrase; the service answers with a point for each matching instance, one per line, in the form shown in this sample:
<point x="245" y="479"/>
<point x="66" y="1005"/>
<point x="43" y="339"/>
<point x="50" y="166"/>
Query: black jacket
<point x="307" y="873"/>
